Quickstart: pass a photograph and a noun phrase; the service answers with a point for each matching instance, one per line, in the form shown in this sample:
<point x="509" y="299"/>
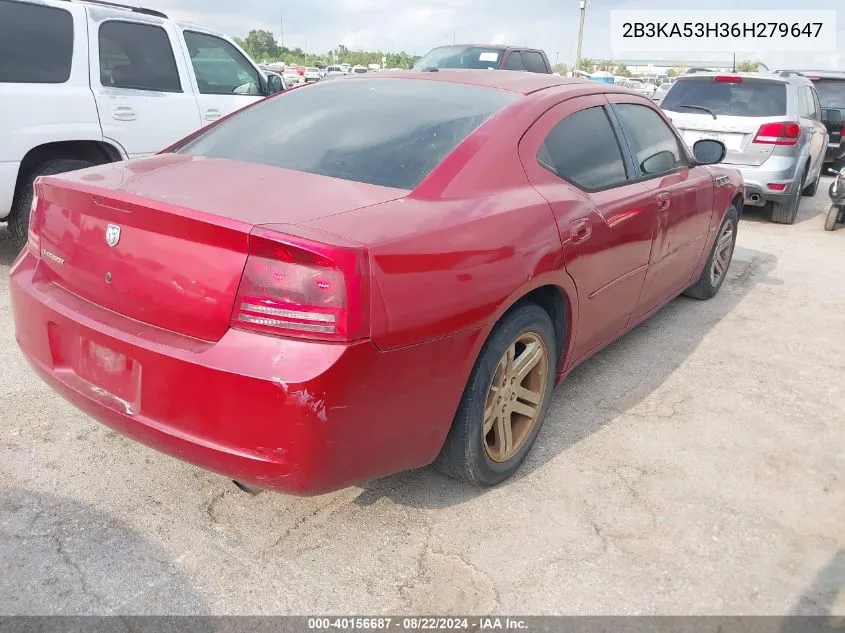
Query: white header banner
<point x="662" y="31"/>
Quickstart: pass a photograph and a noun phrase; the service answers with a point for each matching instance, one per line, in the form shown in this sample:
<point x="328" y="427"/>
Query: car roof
<point x="521" y="82"/>
<point x="822" y="74"/>
<point x="746" y="75"/>
<point x="495" y="47"/>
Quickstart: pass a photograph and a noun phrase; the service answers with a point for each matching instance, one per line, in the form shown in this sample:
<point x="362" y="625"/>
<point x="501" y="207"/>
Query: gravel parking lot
<point x="695" y="466"/>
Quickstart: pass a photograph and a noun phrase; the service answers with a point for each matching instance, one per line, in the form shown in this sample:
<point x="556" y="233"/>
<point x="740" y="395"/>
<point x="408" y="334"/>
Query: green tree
<point x="586" y="65"/>
<point x="261" y="45"/>
<point x="748" y="66"/>
<point x="671" y="73"/>
<point x="622" y="70"/>
<point x="562" y="69"/>
<point x="605" y="64"/>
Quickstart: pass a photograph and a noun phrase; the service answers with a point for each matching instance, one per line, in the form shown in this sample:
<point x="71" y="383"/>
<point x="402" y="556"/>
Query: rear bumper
<point x="301" y="417"/>
<point x="777" y="169"/>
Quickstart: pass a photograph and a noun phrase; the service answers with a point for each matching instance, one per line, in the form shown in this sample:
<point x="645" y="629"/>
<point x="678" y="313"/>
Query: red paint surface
<point x="152" y="353"/>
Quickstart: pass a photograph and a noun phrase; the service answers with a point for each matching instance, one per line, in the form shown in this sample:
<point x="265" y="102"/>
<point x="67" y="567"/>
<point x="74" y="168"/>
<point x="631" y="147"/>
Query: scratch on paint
<point x="315" y="405"/>
<point x="127" y="406"/>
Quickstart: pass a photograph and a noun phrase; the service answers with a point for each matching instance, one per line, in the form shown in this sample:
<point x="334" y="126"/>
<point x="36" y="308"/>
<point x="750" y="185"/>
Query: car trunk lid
<point x="164" y="241"/>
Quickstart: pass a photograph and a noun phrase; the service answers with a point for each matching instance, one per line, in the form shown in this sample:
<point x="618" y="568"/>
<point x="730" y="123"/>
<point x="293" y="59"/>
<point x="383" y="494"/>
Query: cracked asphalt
<point x="694" y="467"/>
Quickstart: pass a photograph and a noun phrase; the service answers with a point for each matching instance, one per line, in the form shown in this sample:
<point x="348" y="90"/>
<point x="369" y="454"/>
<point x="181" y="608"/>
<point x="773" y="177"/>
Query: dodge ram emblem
<point x="112" y="234"/>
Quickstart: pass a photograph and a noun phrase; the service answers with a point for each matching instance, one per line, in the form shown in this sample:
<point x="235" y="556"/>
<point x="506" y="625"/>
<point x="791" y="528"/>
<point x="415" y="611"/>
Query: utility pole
<point x="582" y="5"/>
<point x="454" y="37"/>
<point x="282" y="25"/>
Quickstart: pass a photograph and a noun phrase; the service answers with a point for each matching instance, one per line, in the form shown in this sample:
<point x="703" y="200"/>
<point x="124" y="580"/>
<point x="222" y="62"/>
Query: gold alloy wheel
<point x="722" y="256"/>
<point x="512" y="407"/>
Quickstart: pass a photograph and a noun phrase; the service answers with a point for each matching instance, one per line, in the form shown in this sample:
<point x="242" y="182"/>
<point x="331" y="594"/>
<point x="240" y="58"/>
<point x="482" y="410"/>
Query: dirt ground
<point x="694" y="467"/>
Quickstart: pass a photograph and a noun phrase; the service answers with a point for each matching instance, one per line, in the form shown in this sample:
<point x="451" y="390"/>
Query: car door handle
<point x="212" y="114"/>
<point x="664" y="201"/>
<point x="123" y="113"/>
<point x="580" y="230"/>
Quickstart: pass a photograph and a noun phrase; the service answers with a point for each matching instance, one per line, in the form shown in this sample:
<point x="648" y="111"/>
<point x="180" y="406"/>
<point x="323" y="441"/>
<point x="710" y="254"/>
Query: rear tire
<point x="719" y="261"/>
<point x="19" y="217"/>
<point x="488" y="411"/>
<point x="786" y="212"/>
<point x="832" y="217"/>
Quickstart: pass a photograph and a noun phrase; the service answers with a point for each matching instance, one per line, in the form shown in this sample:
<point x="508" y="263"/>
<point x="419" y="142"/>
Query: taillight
<point x="297" y="287"/>
<point x="33" y="234"/>
<point x="785" y="133"/>
<point x="728" y="79"/>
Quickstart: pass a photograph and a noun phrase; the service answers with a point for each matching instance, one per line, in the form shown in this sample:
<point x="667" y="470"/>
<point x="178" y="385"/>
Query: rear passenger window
<point x="806" y="107"/>
<point x="655" y="146"/>
<point x="514" y="61"/>
<point x="36" y="43"/>
<point x="534" y="62"/>
<point x="138" y="57"/>
<point x="583" y="149"/>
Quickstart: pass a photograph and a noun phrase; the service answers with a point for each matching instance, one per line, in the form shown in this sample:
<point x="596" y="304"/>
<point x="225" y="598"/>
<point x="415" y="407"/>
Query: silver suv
<point x="771" y="125"/>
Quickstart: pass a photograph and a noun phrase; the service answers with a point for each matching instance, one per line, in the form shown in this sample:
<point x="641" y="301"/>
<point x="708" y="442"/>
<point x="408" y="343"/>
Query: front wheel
<point x="716" y="268"/>
<point x="832" y="217"/>
<point x="505" y="400"/>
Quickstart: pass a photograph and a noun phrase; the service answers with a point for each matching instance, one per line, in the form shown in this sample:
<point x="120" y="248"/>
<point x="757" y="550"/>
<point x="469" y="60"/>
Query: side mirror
<point x="709" y="151"/>
<point x="274" y="84"/>
<point x="832" y="116"/>
<point x="659" y="163"/>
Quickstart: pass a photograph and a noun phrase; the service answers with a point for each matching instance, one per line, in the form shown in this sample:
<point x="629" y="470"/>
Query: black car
<point x="830" y="86"/>
<point x="483" y="57"/>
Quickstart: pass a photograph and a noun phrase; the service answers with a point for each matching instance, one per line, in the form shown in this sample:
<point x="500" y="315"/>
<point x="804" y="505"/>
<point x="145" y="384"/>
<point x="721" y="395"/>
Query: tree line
<point x="263" y="47"/>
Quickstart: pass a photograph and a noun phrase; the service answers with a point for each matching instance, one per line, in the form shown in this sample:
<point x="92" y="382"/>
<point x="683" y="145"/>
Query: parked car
<point x="485" y="57"/>
<point x="358" y="70"/>
<point x="83" y="83"/>
<point x="661" y="91"/>
<point x="635" y="84"/>
<point x="292" y="76"/>
<point x="335" y="70"/>
<point x="830" y="86"/>
<point x="771" y="125"/>
<point x="174" y="300"/>
<point x="312" y="74"/>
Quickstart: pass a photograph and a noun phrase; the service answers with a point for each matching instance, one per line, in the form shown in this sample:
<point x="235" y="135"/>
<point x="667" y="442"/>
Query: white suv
<point x="85" y="83"/>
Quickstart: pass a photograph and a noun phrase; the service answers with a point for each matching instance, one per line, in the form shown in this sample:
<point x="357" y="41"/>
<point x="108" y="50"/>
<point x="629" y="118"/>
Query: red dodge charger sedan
<point x="368" y="276"/>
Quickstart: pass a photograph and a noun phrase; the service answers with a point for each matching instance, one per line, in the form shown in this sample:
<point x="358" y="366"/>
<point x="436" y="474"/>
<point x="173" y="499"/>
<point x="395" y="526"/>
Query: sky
<point x="416" y="26"/>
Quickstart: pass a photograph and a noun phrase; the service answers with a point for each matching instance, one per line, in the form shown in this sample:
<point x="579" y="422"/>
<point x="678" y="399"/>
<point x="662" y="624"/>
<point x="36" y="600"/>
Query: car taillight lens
<point x="785" y="133"/>
<point x="33" y="234"/>
<point x="297" y="287"/>
<point x="728" y="79"/>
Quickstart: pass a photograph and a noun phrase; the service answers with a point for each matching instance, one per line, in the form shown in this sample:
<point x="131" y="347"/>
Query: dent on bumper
<point x="297" y="416"/>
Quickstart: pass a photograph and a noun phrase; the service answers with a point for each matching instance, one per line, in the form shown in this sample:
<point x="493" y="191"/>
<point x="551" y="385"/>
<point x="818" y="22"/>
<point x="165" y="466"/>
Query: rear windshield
<point x="749" y="98"/>
<point x="382" y="131"/>
<point x="831" y="93"/>
<point x="473" y="57"/>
